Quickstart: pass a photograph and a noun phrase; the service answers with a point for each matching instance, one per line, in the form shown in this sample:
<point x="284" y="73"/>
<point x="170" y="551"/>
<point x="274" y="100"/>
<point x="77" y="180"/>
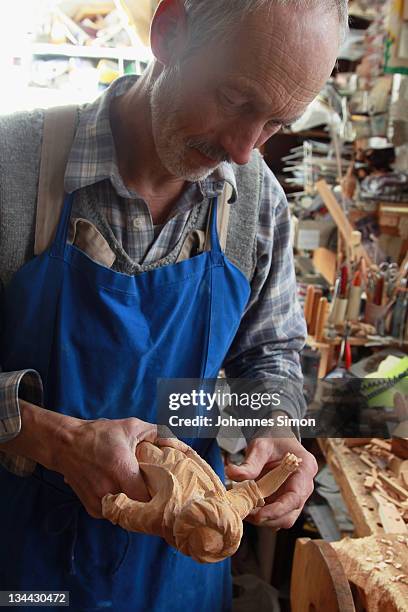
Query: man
<point x="146" y="169"/>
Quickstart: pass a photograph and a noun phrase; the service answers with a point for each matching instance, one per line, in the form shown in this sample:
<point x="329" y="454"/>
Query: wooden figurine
<point x="189" y="506"/>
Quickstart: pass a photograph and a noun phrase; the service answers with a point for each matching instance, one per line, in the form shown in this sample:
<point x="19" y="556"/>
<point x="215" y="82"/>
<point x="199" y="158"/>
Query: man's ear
<point x="168" y="32"/>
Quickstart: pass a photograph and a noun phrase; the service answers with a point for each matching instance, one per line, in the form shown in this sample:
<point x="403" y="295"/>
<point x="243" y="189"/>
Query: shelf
<point x="357" y="341"/>
<point x="64" y="50"/>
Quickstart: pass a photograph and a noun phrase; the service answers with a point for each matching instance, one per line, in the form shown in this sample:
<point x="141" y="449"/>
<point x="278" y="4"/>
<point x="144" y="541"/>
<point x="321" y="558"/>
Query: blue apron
<point x="100" y="339"/>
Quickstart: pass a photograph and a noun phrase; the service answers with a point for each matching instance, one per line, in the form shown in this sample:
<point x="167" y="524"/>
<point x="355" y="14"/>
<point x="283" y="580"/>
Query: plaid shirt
<point x="272" y="330"/>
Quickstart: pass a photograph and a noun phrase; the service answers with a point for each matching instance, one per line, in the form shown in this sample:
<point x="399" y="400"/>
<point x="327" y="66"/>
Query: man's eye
<point x="271" y="125"/>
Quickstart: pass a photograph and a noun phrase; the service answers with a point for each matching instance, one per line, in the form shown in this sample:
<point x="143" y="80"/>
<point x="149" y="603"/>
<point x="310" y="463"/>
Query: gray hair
<point x="210" y="19"/>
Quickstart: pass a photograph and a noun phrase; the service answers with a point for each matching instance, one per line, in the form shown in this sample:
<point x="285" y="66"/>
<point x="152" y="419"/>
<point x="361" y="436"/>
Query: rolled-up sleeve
<point x="27" y="385"/>
<point x="272" y="331"/>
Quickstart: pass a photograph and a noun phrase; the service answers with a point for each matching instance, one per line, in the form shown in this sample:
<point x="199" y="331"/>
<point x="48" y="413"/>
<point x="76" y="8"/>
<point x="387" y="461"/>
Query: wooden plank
<point x="350" y="474"/>
<point x="309" y="303"/>
<point x="325" y="262"/>
<point x="318" y="579"/>
<point x="322" y="316"/>
<point x="384" y="444"/>
<point x="390" y="517"/>
<point x="344" y="226"/>
<point x="401" y="491"/>
<point x="318" y="293"/>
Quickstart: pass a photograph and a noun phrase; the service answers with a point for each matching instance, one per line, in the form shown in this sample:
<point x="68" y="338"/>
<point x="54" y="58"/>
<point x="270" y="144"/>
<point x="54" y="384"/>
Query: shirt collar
<point x="93" y="157"/>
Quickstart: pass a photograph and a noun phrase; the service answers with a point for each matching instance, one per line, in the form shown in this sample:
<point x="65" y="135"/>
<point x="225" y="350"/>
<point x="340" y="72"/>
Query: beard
<point x="172" y="148"/>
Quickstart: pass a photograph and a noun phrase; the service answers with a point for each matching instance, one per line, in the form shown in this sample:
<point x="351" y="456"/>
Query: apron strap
<point x="58" y="134"/>
<point x="223" y="214"/>
<point x="198" y="241"/>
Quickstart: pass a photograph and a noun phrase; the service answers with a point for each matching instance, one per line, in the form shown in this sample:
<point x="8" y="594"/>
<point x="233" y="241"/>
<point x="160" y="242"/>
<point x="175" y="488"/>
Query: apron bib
<point x="100" y="339"/>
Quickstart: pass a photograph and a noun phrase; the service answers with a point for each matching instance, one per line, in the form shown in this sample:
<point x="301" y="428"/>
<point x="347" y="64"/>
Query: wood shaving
<point x="398" y="578"/>
<point x="380" y="566"/>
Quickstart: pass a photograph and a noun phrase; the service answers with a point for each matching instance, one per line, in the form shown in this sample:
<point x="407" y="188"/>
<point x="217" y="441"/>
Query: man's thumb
<point x="249" y="469"/>
<point x="132" y="482"/>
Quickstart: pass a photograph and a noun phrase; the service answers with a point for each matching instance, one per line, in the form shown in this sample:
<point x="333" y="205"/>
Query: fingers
<point x="286" y="504"/>
<point x="88" y="497"/>
<point x="173" y="443"/>
<point x="131" y="480"/>
<point x="103" y="460"/>
<point x="286" y="508"/>
<point x="284" y="522"/>
<point x="141" y="430"/>
<point x="283" y="508"/>
<point x="257" y="455"/>
<point x="157" y="434"/>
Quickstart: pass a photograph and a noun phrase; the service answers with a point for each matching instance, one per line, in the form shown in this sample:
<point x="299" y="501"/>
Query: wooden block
<point x="318" y="579"/>
<point x="322" y="316"/>
<point x="366" y="459"/>
<point x="316" y="300"/>
<point x="351" y="442"/>
<point x="395" y="487"/>
<point x="326" y="359"/>
<point x="309" y="303"/>
<point x="384" y="444"/>
<point x="395" y="465"/>
<point x="325" y="262"/>
<point x="399" y="447"/>
<point x="369" y="482"/>
<point x="391" y="519"/>
<point x="399" y="467"/>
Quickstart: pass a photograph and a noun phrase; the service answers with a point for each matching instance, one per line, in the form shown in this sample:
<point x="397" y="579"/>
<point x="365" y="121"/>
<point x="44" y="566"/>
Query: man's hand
<point x="284" y="506"/>
<point x="100" y="458"/>
<point x="95" y="457"/>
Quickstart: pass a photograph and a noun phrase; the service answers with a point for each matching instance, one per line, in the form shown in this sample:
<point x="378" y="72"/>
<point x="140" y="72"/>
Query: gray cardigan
<point x="20" y="151"/>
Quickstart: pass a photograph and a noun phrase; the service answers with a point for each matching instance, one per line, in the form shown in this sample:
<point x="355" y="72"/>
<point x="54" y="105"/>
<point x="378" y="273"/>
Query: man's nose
<point x="240" y="139"/>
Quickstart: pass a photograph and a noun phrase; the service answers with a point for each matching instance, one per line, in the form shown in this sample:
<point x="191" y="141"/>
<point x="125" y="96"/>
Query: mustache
<point x="217" y="154"/>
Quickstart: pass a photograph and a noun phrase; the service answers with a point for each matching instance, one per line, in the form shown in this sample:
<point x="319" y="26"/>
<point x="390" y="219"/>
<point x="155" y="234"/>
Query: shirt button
<point x="136" y="222"/>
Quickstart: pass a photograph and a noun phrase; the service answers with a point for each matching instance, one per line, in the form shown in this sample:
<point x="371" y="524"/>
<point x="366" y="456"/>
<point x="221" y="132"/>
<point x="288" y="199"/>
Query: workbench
<point x="349" y="472"/>
<point x="373" y="481"/>
<point x="368" y="572"/>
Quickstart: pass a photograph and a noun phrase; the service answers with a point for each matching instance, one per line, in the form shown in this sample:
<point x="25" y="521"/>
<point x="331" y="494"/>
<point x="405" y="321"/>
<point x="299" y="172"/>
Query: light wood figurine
<point x="190" y="507"/>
